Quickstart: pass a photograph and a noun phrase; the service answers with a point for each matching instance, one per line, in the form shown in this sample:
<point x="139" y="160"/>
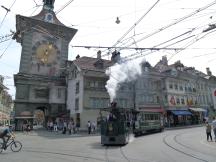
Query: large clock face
<point x="46" y="52"/>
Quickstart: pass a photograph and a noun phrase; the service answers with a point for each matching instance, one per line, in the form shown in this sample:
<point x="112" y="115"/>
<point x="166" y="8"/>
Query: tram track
<point x="125" y="158"/>
<point x="65" y="154"/>
<point x="186" y="146"/>
<point x="165" y="141"/>
<point x="123" y="154"/>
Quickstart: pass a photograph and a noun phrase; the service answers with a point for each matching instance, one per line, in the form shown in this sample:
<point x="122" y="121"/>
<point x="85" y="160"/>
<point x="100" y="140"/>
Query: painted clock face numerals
<point x="46" y="52"/>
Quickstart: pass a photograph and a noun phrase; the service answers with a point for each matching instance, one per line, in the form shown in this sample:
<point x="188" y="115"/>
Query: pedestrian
<point x="89" y="127"/>
<point x="64" y="127"/>
<point x="51" y="126"/>
<point x="70" y="127"/>
<point x="73" y="127"/>
<point x="55" y="126"/>
<point x="214" y="127"/>
<point x="93" y="126"/>
<point x="208" y="131"/>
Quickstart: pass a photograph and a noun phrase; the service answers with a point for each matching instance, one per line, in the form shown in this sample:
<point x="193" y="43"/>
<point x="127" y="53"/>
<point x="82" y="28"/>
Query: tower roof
<point x="48" y="4"/>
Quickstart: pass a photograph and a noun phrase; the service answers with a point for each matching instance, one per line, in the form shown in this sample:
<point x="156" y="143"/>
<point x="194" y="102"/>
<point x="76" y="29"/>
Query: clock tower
<point x="40" y="82"/>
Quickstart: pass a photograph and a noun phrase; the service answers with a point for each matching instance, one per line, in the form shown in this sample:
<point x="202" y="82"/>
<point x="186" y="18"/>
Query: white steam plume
<point x="122" y="72"/>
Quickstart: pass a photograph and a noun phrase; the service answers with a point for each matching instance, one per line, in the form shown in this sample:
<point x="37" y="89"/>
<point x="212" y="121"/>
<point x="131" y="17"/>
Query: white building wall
<point x="71" y="96"/>
<point x="53" y="95"/>
<point x="81" y="95"/>
<point x="71" y="92"/>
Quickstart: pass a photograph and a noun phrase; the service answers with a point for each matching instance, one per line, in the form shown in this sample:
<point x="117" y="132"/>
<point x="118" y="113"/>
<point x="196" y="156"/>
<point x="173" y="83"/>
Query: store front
<point x="198" y="115"/>
<point x="179" y="118"/>
<point x="22" y="119"/>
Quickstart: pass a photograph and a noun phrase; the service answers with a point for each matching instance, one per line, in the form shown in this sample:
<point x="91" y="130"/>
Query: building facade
<point x="187" y="93"/>
<point x="86" y="89"/>
<point x="87" y="93"/>
<point x="40" y="82"/>
<point x="6" y="104"/>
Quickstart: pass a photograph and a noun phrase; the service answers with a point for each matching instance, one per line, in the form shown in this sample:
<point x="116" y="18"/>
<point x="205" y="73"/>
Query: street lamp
<point x="117" y="20"/>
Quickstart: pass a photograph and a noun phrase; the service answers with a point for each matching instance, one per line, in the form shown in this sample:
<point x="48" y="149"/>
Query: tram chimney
<point x="113" y="104"/>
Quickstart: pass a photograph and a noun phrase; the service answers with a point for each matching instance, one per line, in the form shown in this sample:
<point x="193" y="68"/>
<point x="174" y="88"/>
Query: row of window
<point x="95" y="84"/>
<point x="148" y="84"/>
<point x="148" y="116"/>
<point x="149" y="99"/>
<point x="105" y="102"/>
<point x="187" y="88"/>
<point x="44" y="93"/>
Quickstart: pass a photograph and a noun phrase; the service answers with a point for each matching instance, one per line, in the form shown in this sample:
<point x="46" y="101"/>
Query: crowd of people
<point x="69" y="126"/>
<point x="63" y="126"/>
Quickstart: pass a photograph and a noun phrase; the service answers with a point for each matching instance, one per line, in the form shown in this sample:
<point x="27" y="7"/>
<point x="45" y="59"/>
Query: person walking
<point x="214" y="127"/>
<point x="89" y="127"/>
<point x="208" y="131"/>
<point x="70" y="127"/>
<point x="93" y="126"/>
<point x="55" y="126"/>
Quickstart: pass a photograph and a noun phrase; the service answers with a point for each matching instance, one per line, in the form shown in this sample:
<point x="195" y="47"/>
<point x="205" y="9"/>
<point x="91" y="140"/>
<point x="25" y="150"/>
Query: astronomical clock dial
<point x="46" y="52"/>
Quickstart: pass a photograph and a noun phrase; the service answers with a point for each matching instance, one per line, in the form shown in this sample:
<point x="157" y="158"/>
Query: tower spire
<point x="48" y="4"/>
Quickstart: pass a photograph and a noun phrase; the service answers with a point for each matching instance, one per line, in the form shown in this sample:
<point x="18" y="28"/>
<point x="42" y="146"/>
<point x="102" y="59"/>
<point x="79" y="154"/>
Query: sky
<point x="174" y="28"/>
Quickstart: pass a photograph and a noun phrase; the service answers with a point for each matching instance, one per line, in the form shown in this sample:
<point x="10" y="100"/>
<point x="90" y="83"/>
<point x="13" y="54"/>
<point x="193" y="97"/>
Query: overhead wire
<point x="173" y="43"/>
<point x="63" y="7"/>
<point x="176" y="22"/>
<point x="136" y="23"/>
<point x="6" y="48"/>
<point x="192" y="42"/>
<point x="7" y="10"/>
<point x="200" y="9"/>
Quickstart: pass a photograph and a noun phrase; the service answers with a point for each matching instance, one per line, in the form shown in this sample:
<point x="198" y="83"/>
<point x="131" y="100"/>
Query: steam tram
<point x="115" y="126"/>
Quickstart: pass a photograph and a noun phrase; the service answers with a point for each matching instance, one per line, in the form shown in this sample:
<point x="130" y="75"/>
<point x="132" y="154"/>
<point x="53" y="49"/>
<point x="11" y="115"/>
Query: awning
<point x="198" y="109"/>
<point x="158" y="109"/>
<point x="181" y="112"/>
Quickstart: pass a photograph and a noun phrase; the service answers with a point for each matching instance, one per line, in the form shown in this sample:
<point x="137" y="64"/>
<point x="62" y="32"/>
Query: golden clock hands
<point x="46" y="52"/>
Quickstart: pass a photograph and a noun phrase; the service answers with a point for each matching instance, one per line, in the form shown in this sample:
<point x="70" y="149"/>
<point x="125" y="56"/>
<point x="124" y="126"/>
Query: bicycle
<point x="15" y="146"/>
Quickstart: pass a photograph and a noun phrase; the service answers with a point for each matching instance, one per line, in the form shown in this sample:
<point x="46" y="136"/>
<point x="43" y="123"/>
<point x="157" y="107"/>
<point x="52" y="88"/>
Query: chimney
<point x="77" y="57"/>
<point x="164" y="60"/>
<point x="113" y="104"/>
<point x="115" y="56"/>
<point x="209" y="73"/>
<point x="99" y="54"/>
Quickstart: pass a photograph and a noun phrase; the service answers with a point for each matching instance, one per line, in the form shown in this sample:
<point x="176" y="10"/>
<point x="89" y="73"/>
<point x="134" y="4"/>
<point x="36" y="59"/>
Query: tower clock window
<point x="49" y="17"/>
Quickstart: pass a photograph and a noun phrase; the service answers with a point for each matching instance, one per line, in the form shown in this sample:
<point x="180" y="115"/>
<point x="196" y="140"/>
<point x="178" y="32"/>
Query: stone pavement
<point x="45" y="133"/>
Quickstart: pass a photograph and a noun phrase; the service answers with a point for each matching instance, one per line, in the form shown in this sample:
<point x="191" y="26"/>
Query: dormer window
<point x="99" y="64"/>
<point x="174" y="72"/>
<point x="146" y="66"/>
